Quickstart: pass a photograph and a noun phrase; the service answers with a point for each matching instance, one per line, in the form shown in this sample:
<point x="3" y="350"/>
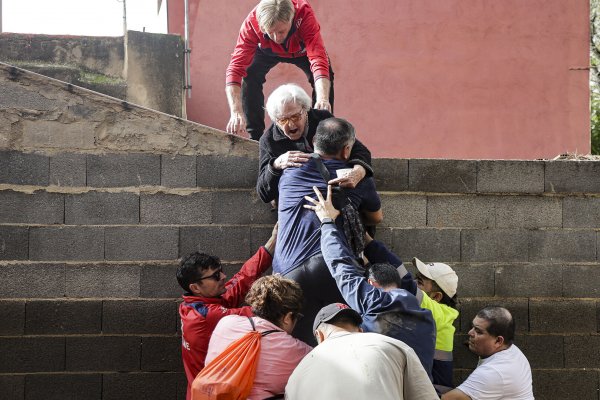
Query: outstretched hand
<point x="323" y="207"/>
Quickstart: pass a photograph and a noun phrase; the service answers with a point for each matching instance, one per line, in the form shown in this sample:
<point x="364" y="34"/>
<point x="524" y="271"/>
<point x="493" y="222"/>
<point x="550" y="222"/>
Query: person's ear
<point x="319" y="336"/>
<point x="499" y="340"/>
<point x="372" y="282"/>
<point x="436" y="296"/>
<point x="195" y="287"/>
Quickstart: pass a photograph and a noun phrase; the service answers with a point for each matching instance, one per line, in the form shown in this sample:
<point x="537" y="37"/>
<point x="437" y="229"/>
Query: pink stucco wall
<point x="426" y="78"/>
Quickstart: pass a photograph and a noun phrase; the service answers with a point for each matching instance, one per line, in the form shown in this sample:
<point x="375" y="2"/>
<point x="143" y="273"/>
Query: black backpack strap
<point x="321" y="167"/>
<point x="252" y="323"/>
<point x="265" y="333"/>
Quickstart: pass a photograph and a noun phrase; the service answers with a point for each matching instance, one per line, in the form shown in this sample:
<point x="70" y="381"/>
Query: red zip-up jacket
<point x="200" y="315"/>
<point x="304" y="39"/>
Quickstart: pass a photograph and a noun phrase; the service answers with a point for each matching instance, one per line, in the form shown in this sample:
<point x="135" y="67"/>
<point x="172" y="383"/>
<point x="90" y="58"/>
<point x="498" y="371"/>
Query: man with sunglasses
<point x="209" y="297"/>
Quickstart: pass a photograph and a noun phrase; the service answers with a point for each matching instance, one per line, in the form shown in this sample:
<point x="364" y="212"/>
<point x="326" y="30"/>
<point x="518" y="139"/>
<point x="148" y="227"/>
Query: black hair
<point x="192" y="266"/>
<point x="332" y="135"/>
<point x="385" y="274"/>
<point x="447" y="300"/>
<point x="501" y="322"/>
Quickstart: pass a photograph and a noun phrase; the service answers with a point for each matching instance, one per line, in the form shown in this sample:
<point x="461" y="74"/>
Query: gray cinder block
<point x="24" y="168"/>
<point x="139" y="316"/>
<point x="230" y="243"/>
<point x="12" y="387"/>
<point x="14" y="243"/>
<point x="98" y="208"/>
<point x="141" y="243"/>
<point x="582" y="351"/>
<point x="539" y="280"/>
<point x="448" y="176"/>
<point x="12" y="317"/>
<point x="528" y="212"/>
<point x="577" y="384"/>
<point x="581" y="212"/>
<point x="581" y="280"/>
<point x="159" y="281"/>
<point x="542" y="351"/>
<point x="442" y="245"/>
<point x="404" y="211"/>
<point x="226" y="172"/>
<point x="55" y="317"/>
<point x="178" y="171"/>
<point x="118" y="170"/>
<point x="102" y="281"/>
<point x="66" y="243"/>
<point x="32" y="280"/>
<point x="390" y="174"/>
<point x="504" y="176"/>
<point x="68" y="169"/>
<point x="32" y="354"/>
<point x="494" y="244"/>
<point x="241" y="207"/>
<point x="572" y="176"/>
<point x="147" y="386"/>
<point x="560" y="245"/>
<point x="563" y="316"/>
<point x="461" y="211"/>
<point x="170" y="209"/>
<point x="63" y="386"/>
<point x="474" y="280"/>
<point x="161" y="353"/>
<point x="103" y="353"/>
<point x="35" y="208"/>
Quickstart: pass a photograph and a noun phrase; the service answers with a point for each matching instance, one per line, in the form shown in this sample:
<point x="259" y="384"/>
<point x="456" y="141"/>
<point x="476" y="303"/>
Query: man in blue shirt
<point x="298" y="252"/>
<point x="383" y="305"/>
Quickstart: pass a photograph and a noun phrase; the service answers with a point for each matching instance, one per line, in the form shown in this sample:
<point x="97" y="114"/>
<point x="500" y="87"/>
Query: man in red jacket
<point x="209" y="297"/>
<point x="275" y="31"/>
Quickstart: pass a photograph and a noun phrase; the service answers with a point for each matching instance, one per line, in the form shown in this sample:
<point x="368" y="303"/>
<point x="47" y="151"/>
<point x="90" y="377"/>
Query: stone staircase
<point x="99" y="198"/>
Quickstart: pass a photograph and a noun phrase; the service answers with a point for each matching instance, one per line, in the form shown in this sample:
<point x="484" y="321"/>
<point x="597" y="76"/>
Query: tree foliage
<point x="595" y="74"/>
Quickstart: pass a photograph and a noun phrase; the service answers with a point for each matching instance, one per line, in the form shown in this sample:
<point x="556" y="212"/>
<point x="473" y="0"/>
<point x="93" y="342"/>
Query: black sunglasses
<point x="216" y="276"/>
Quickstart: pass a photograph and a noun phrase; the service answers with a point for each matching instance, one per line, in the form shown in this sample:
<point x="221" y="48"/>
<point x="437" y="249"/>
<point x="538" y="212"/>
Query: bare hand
<point x="323" y="207"/>
<point x="323" y="104"/>
<point x="291" y="159"/>
<point x="352" y="179"/>
<point x="237" y="124"/>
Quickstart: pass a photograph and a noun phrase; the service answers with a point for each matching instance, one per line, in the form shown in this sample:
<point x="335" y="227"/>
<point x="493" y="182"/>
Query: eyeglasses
<point x="292" y="118"/>
<point x="216" y="276"/>
<point x="298" y="316"/>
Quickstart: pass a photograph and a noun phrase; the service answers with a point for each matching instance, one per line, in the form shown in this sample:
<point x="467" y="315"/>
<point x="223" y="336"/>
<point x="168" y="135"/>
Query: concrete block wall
<point x="89" y="299"/>
<point x="90" y="237"/>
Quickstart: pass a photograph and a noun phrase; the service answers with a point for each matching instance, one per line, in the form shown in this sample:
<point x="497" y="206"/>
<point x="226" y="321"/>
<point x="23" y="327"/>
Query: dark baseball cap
<point x="330" y="311"/>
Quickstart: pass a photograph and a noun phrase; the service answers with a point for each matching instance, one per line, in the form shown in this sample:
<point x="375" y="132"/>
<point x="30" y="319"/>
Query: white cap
<point x="442" y="274"/>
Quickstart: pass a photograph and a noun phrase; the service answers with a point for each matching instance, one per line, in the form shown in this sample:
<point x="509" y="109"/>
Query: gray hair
<point x="285" y="94"/>
<point x="269" y="12"/>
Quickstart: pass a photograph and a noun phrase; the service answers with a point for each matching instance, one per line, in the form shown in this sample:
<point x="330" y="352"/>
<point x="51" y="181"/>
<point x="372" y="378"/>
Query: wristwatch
<point x="326" y="220"/>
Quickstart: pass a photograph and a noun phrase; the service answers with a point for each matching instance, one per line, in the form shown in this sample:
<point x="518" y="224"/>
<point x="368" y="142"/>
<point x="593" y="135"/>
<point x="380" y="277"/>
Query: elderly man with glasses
<point x="288" y="142"/>
<point x="209" y="297"/>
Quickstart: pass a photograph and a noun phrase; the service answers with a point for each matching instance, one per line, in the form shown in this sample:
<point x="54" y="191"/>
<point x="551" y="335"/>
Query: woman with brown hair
<point x="276" y="303"/>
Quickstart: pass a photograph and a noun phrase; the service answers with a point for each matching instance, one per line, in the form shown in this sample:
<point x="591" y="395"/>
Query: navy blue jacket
<point x="395" y="313"/>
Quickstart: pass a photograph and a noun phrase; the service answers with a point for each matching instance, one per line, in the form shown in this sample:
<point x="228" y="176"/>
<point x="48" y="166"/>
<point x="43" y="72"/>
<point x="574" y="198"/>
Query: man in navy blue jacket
<point x="384" y="307"/>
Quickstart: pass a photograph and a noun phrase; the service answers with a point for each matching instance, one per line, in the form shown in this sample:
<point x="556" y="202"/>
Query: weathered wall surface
<point x="427" y="79"/>
<point x="97" y="54"/>
<point x="151" y="75"/>
<point x="155" y="71"/>
<point x="38" y="113"/>
<point x="90" y="236"/>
